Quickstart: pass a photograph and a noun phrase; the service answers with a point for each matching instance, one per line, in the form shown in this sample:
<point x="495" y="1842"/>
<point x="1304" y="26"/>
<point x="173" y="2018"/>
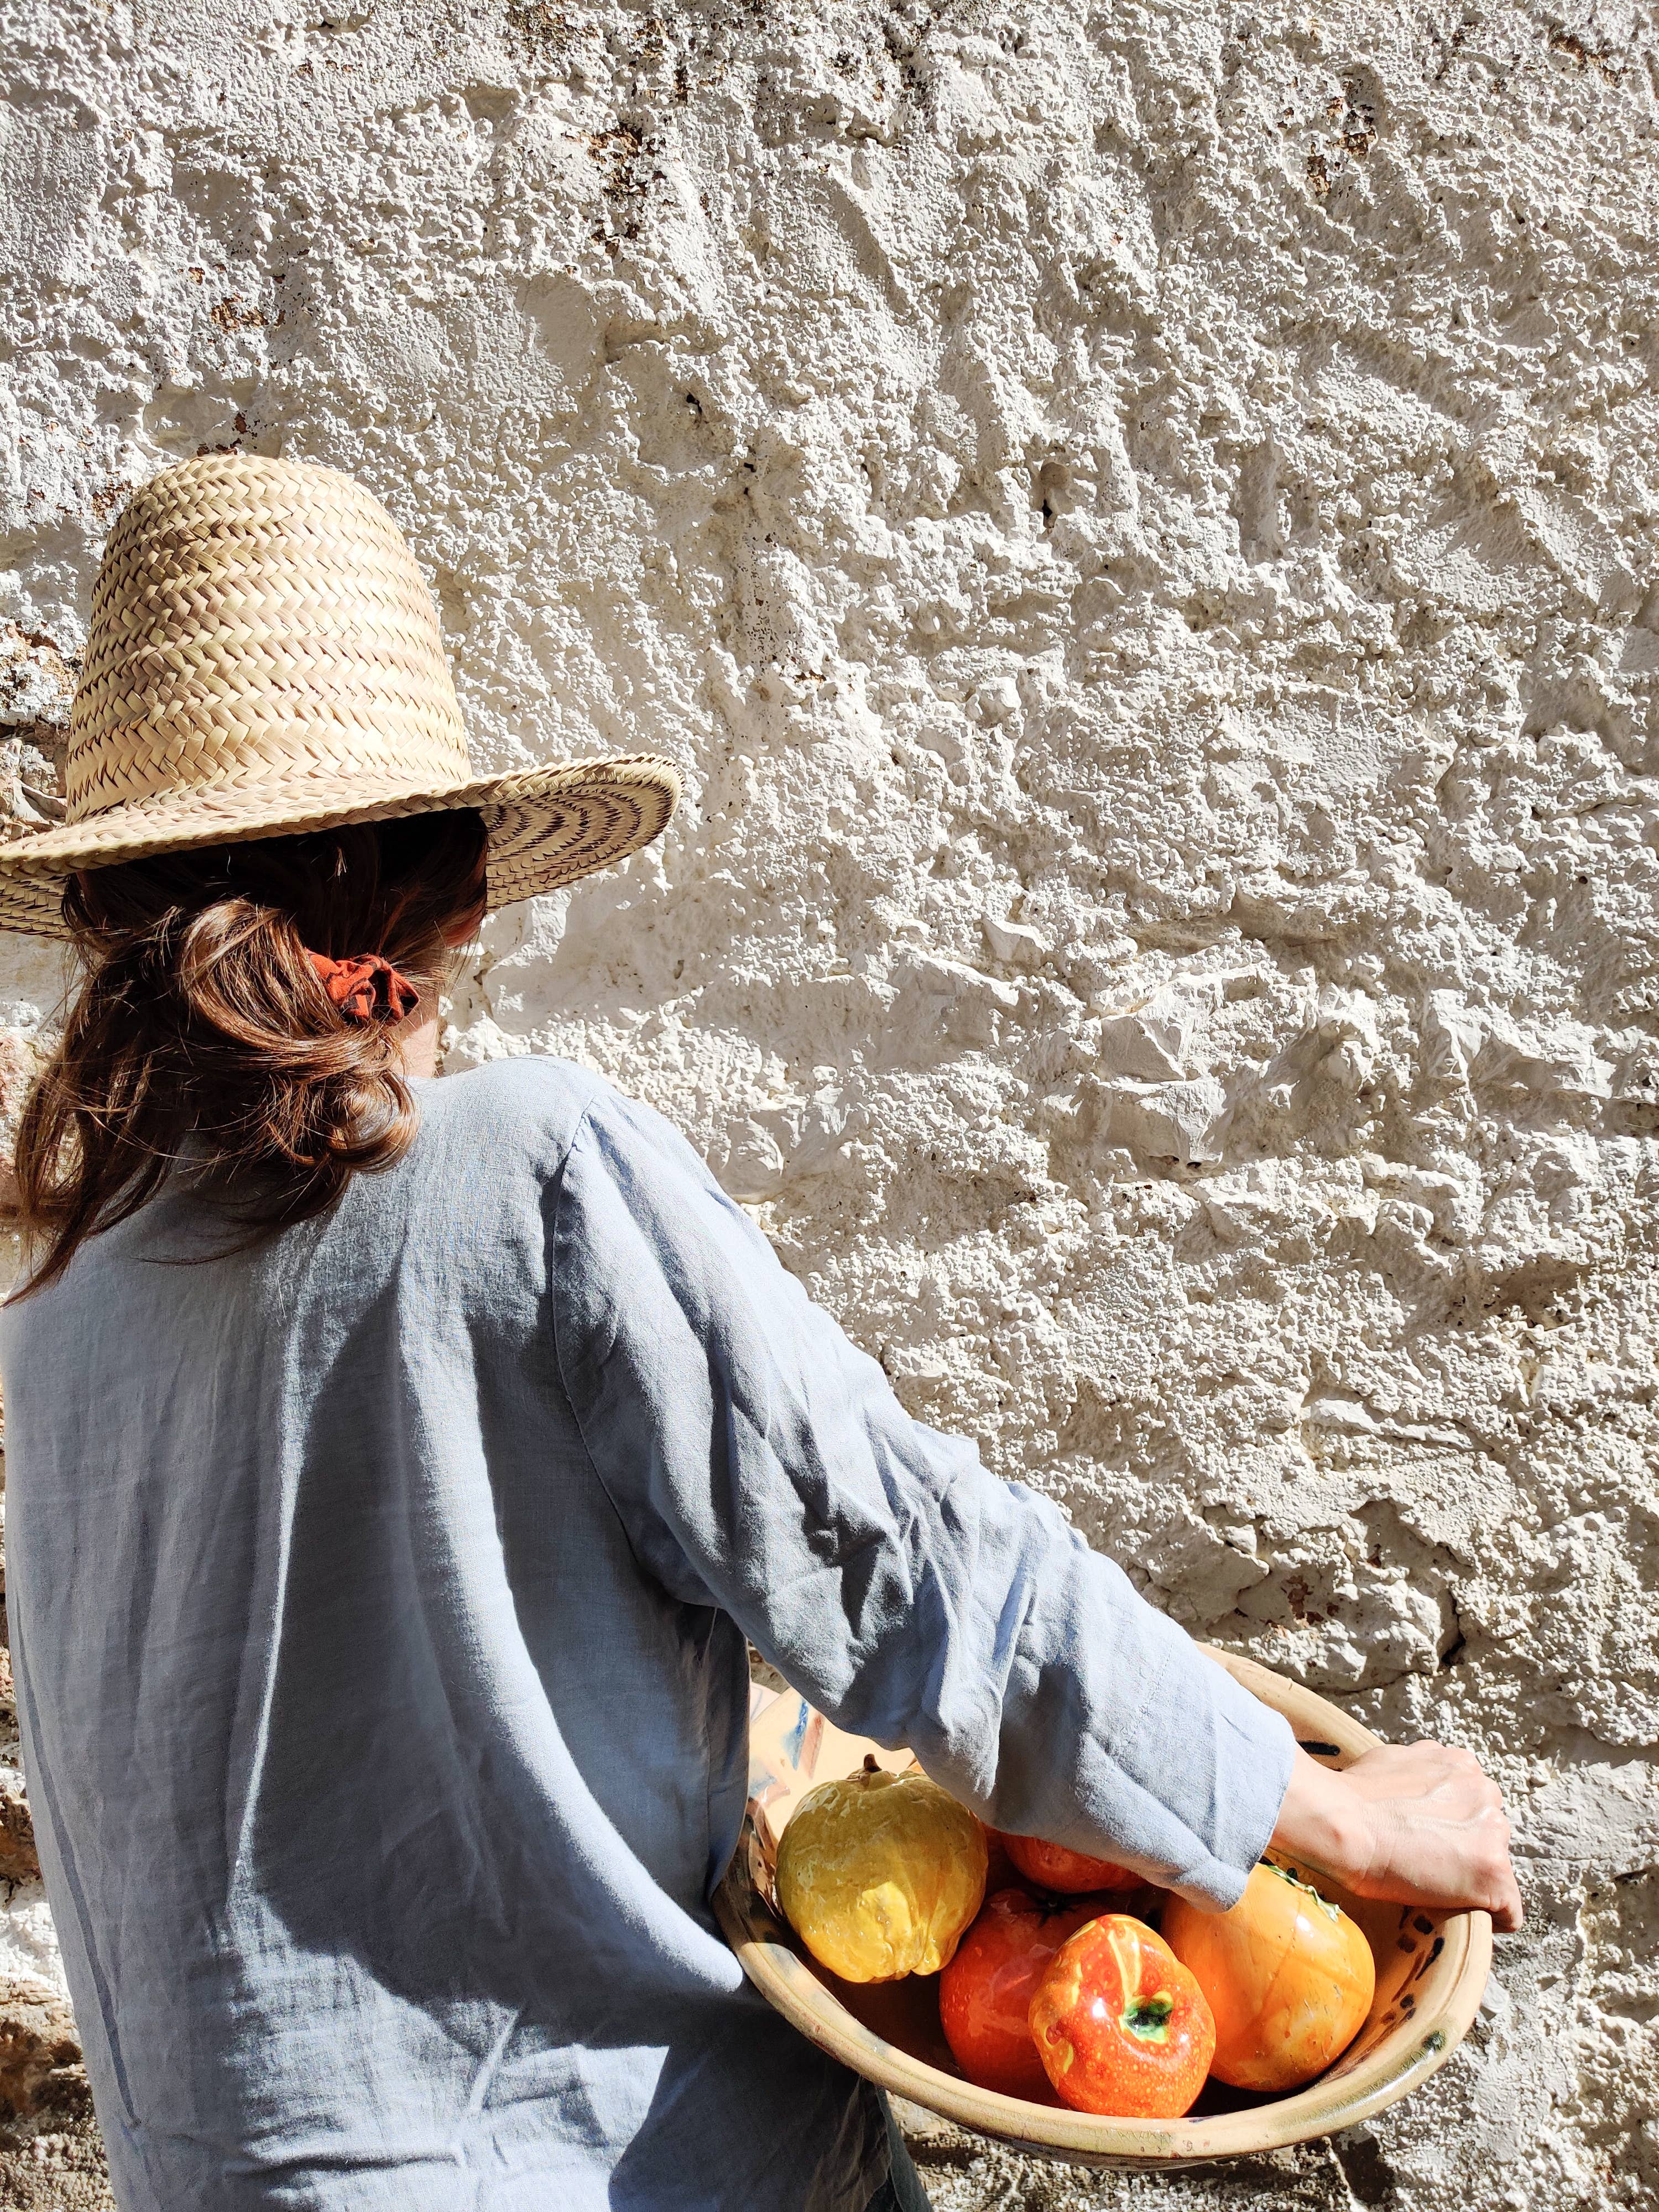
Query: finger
<point x="1510" y="1911"/>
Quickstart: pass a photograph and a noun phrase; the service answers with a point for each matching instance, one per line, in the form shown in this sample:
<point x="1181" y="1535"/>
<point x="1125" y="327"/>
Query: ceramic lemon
<point x="879" y="1874"/>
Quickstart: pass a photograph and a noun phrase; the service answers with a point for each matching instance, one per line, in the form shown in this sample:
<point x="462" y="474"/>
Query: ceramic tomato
<point x="880" y="1874"/>
<point x="985" y="1993"/>
<point x="1051" y="1866"/>
<point x="1288" y="1976"/>
<point x="1120" y="2024"/>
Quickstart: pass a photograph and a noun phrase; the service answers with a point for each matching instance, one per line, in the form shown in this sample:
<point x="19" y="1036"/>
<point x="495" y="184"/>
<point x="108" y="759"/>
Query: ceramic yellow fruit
<point x="880" y="1874"/>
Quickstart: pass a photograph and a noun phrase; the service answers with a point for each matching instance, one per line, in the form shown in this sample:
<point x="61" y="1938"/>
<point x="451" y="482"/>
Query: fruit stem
<point x="1149" y="2017"/>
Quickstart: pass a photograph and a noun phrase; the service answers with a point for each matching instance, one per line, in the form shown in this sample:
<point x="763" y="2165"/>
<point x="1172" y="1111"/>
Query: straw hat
<point x="263" y="658"/>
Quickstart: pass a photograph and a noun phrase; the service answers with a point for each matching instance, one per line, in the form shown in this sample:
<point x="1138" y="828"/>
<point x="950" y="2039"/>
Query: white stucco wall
<point x="1140" y="522"/>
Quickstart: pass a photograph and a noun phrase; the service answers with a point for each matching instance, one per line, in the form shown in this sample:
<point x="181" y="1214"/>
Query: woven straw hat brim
<point x="547" y="827"/>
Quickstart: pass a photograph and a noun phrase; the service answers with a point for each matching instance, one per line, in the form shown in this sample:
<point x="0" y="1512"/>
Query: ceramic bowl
<point x="1431" y="1971"/>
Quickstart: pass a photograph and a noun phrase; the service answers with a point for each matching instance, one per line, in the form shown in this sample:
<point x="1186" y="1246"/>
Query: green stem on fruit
<point x="1149" y="2017"/>
<point x="1331" y="1911"/>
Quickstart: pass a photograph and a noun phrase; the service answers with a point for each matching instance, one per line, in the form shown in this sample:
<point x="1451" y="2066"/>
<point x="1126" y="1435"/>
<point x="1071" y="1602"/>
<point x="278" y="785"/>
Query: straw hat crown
<point x="264" y="658"/>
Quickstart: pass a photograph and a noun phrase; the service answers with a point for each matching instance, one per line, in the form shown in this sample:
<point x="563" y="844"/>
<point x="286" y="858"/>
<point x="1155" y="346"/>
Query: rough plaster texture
<point x="1139" y="522"/>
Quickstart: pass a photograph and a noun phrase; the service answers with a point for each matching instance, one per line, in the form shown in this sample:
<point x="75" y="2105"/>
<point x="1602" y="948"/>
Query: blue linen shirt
<point x="378" y="1604"/>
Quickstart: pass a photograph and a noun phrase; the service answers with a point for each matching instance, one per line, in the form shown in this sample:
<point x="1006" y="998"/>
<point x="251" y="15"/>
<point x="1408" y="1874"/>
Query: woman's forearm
<point x="1321" y="1820"/>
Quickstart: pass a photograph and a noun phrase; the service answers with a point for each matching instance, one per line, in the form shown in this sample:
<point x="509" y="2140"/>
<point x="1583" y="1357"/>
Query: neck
<point x="417" y="1039"/>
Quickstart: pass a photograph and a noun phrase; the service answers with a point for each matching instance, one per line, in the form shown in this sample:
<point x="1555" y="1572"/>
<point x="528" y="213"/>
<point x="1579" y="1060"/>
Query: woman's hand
<point x="1417" y="1824"/>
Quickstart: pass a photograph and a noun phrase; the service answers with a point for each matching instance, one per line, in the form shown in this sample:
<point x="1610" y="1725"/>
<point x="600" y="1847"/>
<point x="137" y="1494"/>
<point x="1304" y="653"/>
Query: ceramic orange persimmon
<point x="1288" y="1976"/>
<point x="1051" y="1866"/>
<point x="880" y="1874"/>
<point x="1120" y="2024"/>
<point x="985" y="1992"/>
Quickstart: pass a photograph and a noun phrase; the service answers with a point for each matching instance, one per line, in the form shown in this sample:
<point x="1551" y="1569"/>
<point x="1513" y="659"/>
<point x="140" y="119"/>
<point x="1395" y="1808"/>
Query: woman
<point x="398" y="1468"/>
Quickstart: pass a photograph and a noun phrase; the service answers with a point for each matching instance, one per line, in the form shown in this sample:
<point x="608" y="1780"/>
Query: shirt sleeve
<point x="760" y="1463"/>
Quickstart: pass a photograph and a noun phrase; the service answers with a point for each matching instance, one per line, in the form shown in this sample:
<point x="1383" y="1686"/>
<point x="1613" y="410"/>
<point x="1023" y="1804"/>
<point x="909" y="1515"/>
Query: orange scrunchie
<point x="365" y="990"/>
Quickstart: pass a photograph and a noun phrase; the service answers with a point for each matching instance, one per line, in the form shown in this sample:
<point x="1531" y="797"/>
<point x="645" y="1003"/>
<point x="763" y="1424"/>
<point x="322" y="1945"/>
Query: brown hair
<point x="201" y="1017"/>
